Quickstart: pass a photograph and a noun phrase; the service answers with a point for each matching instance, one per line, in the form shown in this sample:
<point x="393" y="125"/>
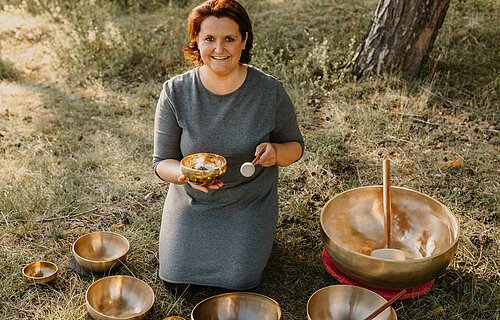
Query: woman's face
<point x="220" y="44"/>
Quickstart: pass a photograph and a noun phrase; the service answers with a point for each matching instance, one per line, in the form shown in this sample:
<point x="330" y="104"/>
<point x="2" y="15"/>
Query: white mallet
<point x="248" y="168"/>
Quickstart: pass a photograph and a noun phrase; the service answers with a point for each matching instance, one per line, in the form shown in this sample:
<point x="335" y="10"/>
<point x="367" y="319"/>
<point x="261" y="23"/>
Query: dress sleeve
<point x="286" y="126"/>
<point x="167" y="132"/>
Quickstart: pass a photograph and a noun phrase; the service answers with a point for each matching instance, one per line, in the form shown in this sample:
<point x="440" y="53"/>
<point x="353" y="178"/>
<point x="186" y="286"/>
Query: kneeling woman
<point x="221" y="235"/>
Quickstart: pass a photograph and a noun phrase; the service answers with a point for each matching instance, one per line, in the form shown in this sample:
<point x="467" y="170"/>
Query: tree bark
<point x="400" y="37"/>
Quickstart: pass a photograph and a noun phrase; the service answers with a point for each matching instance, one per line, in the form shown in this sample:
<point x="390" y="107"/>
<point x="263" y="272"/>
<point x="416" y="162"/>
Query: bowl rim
<point x="278" y="307"/>
<point x="404" y="262"/>
<point x="89" y="305"/>
<point x="343" y="286"/>
<point x="100" y="232"/>
<point x="51" y="264"/>
<point x="200" y="153"/>
<point x="346" y="285"/>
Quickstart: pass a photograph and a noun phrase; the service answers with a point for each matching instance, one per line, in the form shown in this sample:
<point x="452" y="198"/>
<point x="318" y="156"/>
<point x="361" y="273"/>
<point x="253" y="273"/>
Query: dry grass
<point x="76" y="140"/>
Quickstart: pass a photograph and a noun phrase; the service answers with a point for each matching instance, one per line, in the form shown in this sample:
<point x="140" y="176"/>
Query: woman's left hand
<point x="277" y="154"/>
<point x="265" y="155"/>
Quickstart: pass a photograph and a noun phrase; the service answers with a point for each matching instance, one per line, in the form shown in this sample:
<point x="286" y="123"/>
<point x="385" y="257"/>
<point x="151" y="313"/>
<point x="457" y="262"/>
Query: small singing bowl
<point x="100" y="251"/>
<point x="352" y="226"/>
<point x="237" y="306"/>
<point x="119" y="297"/>
<point x="203" y="168"/>
<point x="344" y="302"/>
<point x="40" y="272"/>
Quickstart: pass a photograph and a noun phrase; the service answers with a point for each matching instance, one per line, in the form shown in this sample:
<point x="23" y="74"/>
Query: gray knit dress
<point x="223" y="238"/>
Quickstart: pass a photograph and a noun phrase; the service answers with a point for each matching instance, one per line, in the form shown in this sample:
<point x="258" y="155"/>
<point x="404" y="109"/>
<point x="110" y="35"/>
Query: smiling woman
<point x="220" y="45"/>
<point x="220" y="41"/>
<point x="221" y="234"/>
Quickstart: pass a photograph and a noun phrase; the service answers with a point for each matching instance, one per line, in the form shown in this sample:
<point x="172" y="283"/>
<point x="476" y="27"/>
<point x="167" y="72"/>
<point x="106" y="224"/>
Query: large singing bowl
<point x="339" y="302"/>
<point x="352" y="226"/>
<point x="100" y="251"/>
<point x="119" y="298"/>
<point x="237" y="306"/>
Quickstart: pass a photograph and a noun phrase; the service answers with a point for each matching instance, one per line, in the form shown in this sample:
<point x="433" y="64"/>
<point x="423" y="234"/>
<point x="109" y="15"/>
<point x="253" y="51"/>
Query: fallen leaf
<point x="435" y="311"/>
<point x="456" y="162"/>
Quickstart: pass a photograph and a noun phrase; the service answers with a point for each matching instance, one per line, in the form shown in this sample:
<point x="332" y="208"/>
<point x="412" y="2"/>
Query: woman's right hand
<point x="214" y="185"/>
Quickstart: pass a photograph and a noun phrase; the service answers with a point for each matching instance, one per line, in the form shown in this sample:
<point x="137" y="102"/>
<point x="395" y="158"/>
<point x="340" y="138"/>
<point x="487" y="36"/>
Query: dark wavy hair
<point x="218" y="8"/>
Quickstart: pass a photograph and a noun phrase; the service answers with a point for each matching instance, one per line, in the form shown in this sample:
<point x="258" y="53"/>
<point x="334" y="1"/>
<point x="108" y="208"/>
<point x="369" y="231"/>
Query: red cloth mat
<point x="387" y="294"/>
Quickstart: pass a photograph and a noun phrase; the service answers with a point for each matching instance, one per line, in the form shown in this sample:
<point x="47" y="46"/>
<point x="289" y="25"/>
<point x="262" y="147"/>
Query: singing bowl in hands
<point x="100" y="251"/>
<point x="237" y="306"/>
<point x="344" y="302"/>
<point x="203" y="168"/>
<point x="119" y="297"/>
<point x="40" y="272"/>
<point x="352" y="225"/>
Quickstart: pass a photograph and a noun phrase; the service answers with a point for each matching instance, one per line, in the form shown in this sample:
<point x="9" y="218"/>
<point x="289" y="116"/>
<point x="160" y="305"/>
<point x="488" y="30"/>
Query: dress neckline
<point x="243" y="84"/>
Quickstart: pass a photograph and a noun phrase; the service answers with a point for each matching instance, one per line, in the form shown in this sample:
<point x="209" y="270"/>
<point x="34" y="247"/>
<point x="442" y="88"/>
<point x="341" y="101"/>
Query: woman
<point x="221" y="235"/>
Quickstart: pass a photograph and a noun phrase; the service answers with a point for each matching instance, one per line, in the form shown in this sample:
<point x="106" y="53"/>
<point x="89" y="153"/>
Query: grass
<point x="77" y="95"/>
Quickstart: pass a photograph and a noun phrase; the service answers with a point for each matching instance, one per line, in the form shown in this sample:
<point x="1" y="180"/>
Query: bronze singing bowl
<point x="100" y="251"/>
<point x="352" y="226"/>
<point x="339" y="302"/>
<point x="237" y="306"/>
<point x="119" y="297"/>
<point x="203" y="168"/>
<point x="40" y="272"/>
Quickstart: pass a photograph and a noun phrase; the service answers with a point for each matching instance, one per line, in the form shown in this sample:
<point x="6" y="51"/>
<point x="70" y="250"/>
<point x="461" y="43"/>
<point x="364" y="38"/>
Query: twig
<point x="417" y="119"/>
<point x="66" y="216"/>
<point x="138" y="203"/>
<point x="177" y="301"/>
<point x="359" y="176"/>
<point x="5" y="218"/>
<point x="426" y="122"/>
<point x="62" y="217"/>
<point x="401" y="139"/>
<point x="123" y="264"/>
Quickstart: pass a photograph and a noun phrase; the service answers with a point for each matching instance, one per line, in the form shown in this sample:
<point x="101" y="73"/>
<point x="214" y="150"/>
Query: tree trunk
<point x="400" y="37"/>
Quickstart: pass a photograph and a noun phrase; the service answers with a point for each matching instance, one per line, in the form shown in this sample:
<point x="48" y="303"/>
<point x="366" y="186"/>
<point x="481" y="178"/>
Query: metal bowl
<point x="40" y="272"/>
<point x="341" y="302"/>
<point x="119" y="297"/>
<point x="237" y="306"/>
<point x="100" y="251"/>
<point x="352" y="225"/>
<point x="203" y="168"/>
